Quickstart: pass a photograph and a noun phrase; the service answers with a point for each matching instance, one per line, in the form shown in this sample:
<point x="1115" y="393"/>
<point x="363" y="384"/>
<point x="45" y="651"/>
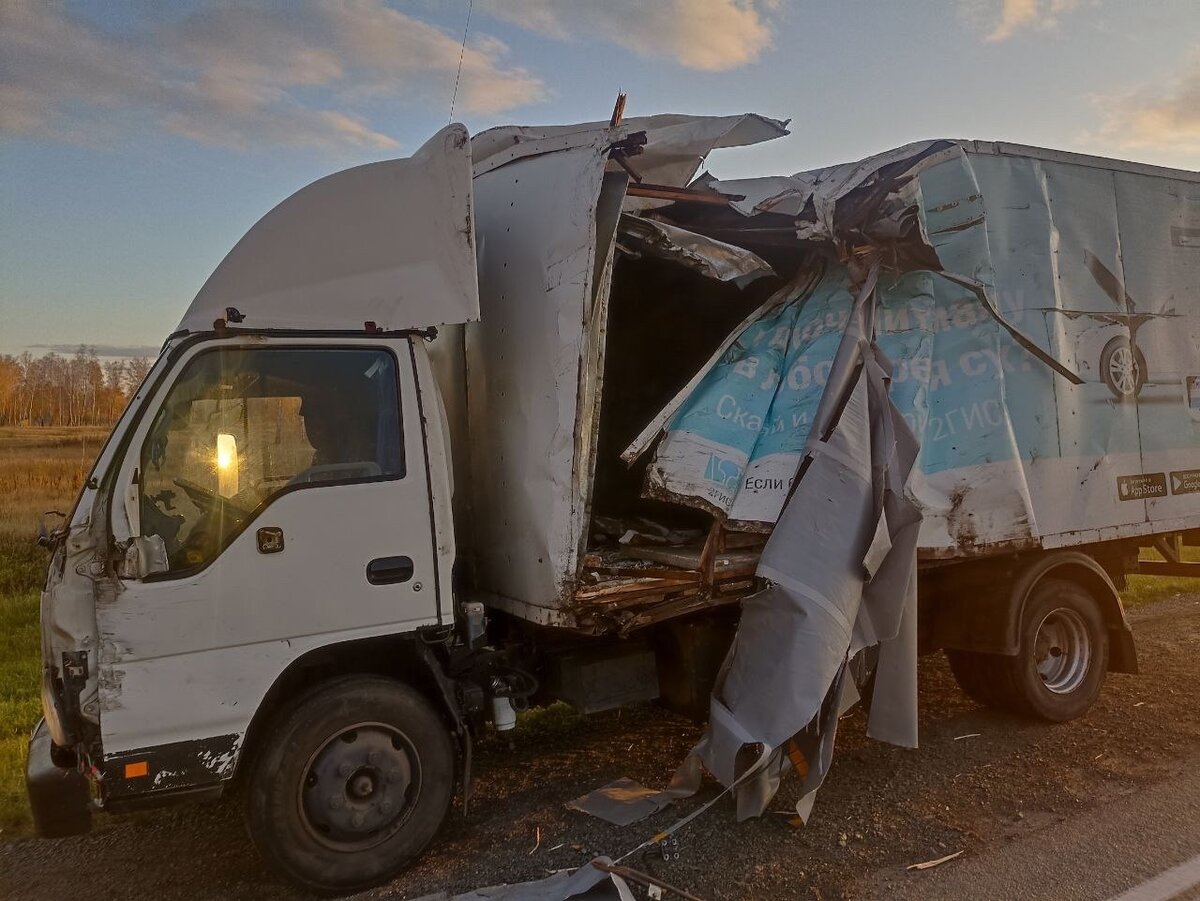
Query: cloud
<point x="711" y="35"/>
<point x="251" y="75"/>
<point x="1163" y="117"/>
<point x="126" y="351"/>
<point x="1015" y="15"/>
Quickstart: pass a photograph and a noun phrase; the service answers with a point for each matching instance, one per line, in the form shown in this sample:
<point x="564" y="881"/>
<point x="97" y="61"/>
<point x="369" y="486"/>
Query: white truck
<point x="371" y="497"/>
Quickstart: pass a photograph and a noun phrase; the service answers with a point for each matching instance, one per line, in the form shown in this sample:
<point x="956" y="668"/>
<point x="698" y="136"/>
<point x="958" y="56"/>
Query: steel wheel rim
<point x="1123" y="369"/>
<point x="1062" y="650"/>
<point x="359" y="787"/>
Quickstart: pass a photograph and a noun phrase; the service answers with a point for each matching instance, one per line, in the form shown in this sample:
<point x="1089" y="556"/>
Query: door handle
<point x="389" y="570"/>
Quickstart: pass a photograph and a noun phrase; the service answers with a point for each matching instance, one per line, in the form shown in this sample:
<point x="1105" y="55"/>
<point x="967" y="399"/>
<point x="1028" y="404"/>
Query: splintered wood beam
<point x="632" y="587"/>
<point x="618" y="112"/>
<point x="681" y="195"/>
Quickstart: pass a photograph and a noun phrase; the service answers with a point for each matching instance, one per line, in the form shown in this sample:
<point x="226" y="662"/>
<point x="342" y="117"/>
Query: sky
<point x="139" y="139"/>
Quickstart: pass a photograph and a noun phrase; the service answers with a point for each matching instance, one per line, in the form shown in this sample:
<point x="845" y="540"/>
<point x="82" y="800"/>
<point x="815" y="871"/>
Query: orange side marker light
<point x="133" y="770"/>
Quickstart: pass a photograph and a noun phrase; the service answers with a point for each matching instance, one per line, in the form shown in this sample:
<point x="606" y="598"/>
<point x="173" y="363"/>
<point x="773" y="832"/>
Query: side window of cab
<point x="241" y="426"/>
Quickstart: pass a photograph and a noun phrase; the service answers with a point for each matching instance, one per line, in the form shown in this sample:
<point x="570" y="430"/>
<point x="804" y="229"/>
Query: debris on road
<point x="930" y="864"/>
<point x="598" y="882"/>
<point x="622" y="802"/>
<point x="645" y="879"/>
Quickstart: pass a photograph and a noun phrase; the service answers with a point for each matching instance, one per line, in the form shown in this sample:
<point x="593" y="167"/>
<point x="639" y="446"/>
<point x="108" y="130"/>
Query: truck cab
<point x="277" y="492"/>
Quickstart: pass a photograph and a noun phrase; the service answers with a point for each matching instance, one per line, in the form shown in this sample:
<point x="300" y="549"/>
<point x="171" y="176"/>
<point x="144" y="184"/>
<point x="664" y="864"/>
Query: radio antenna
<point x="461" y="53"/>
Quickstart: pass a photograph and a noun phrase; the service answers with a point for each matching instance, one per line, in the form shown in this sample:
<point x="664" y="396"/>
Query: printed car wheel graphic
<point x="1123" y="368"/>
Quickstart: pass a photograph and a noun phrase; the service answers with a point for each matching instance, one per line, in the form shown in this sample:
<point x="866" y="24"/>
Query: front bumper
<point x="58" y="796"/>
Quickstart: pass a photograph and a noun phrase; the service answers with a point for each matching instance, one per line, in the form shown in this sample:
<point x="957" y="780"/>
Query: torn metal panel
<point x="639" y="235"/>
<point x="390" y="243"/>
<point x="676" y="144"/>
<point x="537" y="242"/>
<point x="840" y="569"/>
<point x="997" y="349"/>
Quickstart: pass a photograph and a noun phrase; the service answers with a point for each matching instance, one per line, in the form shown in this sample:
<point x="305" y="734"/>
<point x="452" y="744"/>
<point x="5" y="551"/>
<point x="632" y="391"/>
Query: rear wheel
<point x="1060" y="665"/>
<point x="353" y="784"/>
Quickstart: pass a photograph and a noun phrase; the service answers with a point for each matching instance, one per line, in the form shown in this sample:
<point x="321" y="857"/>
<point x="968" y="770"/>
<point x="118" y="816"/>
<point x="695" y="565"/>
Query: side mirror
<point x="46" y="536"/>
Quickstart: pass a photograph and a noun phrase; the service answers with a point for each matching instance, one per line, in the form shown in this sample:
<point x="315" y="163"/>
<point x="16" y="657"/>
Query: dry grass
<point x="40" y="470"/>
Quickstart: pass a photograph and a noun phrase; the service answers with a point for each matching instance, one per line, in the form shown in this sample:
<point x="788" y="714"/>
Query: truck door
<point x="275" y="499"/>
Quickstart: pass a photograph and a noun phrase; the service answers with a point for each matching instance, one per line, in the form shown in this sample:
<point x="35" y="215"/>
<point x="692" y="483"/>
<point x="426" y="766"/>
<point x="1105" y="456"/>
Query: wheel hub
<point x="1062" y="650"/>
<point x="359" y="786"/>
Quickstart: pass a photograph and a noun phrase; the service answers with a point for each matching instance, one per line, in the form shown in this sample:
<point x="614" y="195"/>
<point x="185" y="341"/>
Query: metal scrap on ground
<point x="595" y="883"/>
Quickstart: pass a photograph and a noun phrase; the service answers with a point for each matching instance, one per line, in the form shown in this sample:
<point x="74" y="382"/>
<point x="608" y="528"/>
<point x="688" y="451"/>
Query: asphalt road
<point x="1119" y="846"/>
<point x="1088" y="809"/>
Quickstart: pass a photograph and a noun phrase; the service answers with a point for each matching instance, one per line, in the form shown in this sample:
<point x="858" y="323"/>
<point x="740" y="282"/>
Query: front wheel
<point x="354" y="783"/>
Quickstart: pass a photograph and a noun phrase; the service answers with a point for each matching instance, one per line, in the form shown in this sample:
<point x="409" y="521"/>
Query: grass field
<point x="41" y="470"/>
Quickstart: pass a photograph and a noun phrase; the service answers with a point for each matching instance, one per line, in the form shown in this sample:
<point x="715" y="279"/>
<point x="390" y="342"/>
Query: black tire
<point x="1128" y="388"/>
<point x="354" y="781"/>
<point x="1072" y="652"/>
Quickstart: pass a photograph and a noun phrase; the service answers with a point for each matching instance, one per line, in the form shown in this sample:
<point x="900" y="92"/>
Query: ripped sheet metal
<point x="642" y="236"/>
<point x="1015" y="277"/>
<point x="675" y="148"/>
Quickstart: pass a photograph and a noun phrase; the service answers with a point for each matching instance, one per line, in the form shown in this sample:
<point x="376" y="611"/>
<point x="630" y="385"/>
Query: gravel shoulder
<point x="980" y="780"/>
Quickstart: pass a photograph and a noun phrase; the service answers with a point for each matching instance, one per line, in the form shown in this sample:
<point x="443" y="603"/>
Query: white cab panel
<point x="193" y="656"/>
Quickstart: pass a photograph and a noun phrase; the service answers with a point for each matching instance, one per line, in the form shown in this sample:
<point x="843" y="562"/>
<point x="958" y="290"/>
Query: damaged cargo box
<point x="1016" y="263"/>
<point x="1039" y="308"/>
<point x="948" y="355"/>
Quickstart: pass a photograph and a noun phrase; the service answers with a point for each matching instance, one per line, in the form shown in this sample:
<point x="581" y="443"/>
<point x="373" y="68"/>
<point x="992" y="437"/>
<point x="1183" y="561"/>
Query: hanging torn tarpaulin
<point x="840" y="567"/>
<point x="841" y="573"/>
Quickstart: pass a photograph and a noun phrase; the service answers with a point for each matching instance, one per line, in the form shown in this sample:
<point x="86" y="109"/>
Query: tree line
<point x="56" y="389"/>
